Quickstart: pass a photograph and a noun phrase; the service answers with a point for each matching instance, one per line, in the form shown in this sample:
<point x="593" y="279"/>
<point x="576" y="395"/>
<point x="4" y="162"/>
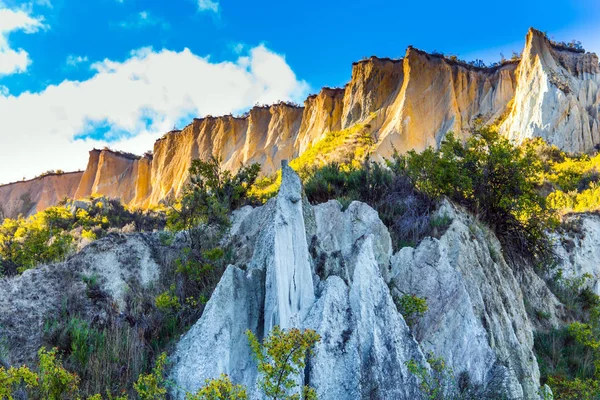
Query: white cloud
<point x="144" y="96"/>
<point x="15" y="60"/>
<point x="208" y="5"/>
<point x="73" y="60"/>
<point x="144" y="19"/>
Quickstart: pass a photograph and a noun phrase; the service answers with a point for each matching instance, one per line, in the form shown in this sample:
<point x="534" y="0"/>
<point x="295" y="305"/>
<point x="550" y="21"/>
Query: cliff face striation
<point x="408" y="103"/>
<point x="557" y="96"/>
<point x="29" y="197"/>
<point x="117" y="175"/>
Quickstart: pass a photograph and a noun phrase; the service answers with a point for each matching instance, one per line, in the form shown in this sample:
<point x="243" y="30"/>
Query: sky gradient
<point x="81" y="74"/>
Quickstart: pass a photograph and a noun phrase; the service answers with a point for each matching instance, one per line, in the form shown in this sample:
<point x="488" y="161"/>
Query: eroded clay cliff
<point x="408" y="103"/>
<point x="557" y="96"/>
<point x="28" y="197"/>
<point x="334" y="271"/>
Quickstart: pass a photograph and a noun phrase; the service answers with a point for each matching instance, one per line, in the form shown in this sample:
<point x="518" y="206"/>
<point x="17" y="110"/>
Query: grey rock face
<point x="578" y="250"/>
<point x="220" y="346"/>
<point x="331" y="270"/>
<point x="476" y="319"/>
<point x="117" y="262"/>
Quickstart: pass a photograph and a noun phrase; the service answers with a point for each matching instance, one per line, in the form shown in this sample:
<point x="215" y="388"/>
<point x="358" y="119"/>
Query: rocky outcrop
<point x="477" y="319"/>
<point x="333" y="271"/>
<point x="119" y="264"/>
<point x="578" y="251"/>
<point x="557" y="96"/>
<point x="29" y="197"/>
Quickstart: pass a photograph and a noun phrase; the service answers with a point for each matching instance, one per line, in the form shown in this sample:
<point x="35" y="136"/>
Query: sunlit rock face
<point x="405" y="104"/>
<point x="29" y="197"/>
<point x="334" y="271"/>
<point x="437" y="96"/>
<point x="557" y="96"/>
<point x="116" y="175"/>
<point x="322" y="114"/>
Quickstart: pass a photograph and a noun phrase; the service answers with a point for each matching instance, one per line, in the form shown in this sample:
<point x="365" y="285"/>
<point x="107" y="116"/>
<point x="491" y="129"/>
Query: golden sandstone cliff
<point x="410" y="103"/>
<point x="29" y="197"/>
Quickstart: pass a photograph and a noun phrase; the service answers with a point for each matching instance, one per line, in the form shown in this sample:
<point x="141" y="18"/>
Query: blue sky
<point x="78" y="74"/>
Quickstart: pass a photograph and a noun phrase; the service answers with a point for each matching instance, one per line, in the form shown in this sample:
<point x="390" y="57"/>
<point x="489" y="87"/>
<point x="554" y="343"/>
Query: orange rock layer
<point x="411" y="103"/>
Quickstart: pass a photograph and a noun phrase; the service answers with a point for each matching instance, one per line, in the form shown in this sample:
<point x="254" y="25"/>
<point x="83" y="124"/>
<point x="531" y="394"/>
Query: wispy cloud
<point x="11" y="20"/>
<point x="144" y="19"/>
<point x="209" y="5"/>
<point x="74" y="61"/>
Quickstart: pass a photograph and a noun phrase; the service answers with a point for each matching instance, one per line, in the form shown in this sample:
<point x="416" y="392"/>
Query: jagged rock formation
<point x="409" y="103"/>
<point x="478" y="321"/>
<point x="116" y="175"/>
<point x="557" y="96"/>
<point x="476" y="318"/>
<point x="332" y="270"/>
<point x="29" y="197"/>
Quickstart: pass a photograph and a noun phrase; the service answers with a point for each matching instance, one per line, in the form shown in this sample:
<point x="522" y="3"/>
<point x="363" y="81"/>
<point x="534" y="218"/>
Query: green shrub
<point x="211" y="194"/>
<point x="219" y="389"/>
<point x="576" y="389"/>
<point x="496" y="180"/>
<point x="55" y="381"/>
<point x="151" y="386"/>
<point x="12" y="378"/>
<point x="281" y="357"/>
<point x="404" y="210"/>
<point x="84" y="340"/>
<point x="47" y="236"/>
<point x="434" y="383"/>
<point x="411" y="307"/>
<point x="168" y="301"/>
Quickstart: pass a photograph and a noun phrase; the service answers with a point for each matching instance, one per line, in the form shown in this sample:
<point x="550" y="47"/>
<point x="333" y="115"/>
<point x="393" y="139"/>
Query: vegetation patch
<point x="53" y="234"/>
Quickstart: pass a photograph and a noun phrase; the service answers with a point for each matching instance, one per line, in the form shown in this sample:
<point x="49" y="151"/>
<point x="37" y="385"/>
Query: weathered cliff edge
<point x="410" y="103"/>
<point x="334" y="271"/>
<point x="29" y="197"/>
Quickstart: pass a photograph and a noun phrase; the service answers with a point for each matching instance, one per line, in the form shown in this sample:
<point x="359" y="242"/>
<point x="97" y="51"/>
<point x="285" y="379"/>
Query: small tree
<point x="151" y="386"/>
<point x="281" y="357"/>
<point x="209" y="197"/>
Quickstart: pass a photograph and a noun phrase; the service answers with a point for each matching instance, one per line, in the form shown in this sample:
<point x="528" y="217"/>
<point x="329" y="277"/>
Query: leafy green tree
<point x="495" y="179"/>
<point x="281" y="357"/>
<point x="211" y="194"/>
